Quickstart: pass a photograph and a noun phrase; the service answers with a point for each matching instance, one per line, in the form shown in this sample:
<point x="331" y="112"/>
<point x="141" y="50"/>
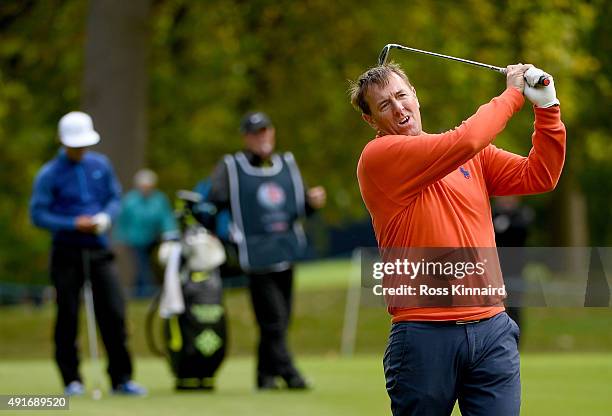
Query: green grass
<point x="325" y="274"/>
<point x="342" y="387"/>
<point x="553" y="384"/>
<point x="566" y="360"/>
<point x="26" y="332"/>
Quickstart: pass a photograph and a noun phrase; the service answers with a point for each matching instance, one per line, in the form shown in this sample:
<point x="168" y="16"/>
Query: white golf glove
<point x="541" y="96"/>
<point x="102" y="221"/>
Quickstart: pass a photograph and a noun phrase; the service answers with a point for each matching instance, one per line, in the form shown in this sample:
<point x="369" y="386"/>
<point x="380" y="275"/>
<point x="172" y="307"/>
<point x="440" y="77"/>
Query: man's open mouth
<point x="405" y="120"/>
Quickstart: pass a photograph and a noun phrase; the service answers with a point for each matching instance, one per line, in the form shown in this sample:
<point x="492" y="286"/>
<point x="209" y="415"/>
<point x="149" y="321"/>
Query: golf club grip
<point x="544" y="81"/>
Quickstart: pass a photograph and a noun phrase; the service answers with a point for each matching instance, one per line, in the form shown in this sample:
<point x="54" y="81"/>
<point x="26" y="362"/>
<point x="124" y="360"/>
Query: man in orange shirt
<point x="433" y="190"/>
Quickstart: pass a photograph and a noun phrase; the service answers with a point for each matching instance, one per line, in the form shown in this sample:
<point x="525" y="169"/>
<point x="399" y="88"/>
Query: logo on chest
<point x="465" y="172"/>
<point x="270" y="195"/>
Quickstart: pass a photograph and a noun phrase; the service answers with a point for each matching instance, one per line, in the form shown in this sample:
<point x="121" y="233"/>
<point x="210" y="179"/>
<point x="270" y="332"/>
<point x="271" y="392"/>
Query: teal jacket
<point x="144" y="220"/>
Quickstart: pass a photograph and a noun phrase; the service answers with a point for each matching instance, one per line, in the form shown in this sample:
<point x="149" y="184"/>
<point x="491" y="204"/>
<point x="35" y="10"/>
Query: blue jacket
<point x="64" y="189"/>
<point x="205" y="211"/>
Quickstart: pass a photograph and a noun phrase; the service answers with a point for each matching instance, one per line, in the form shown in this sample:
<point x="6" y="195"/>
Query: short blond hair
<point x="379" y="76"/>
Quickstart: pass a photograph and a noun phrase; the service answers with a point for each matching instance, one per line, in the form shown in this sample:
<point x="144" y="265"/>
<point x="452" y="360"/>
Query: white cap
<point x="76" y="130"/>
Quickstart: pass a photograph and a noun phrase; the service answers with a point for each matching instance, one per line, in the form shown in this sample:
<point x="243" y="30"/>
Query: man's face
<point x="75" y="153"/>
<point x="146" y="188"/>
<point x="394" y="108"/>
<point x="261" y="142"/>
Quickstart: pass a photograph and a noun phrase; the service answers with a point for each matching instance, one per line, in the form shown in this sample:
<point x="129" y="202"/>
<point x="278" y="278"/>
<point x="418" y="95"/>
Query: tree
<point x="116" y="80"/>
<point x="211" y="61"/>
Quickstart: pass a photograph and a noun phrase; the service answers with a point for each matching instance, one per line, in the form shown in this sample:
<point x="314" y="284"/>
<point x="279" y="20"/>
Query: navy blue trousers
<point x="271" y="296"/>
<point x="429" y="366"/>
<point x="68" y="275"/>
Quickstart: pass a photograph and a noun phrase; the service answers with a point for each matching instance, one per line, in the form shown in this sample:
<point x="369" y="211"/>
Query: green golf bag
<point x="194" y="328"/>
<point x="196" y="339"/>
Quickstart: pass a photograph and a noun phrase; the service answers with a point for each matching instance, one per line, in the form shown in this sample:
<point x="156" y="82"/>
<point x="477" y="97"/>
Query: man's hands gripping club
<point x="541" y="96"/>
<point x="524" y="78"/>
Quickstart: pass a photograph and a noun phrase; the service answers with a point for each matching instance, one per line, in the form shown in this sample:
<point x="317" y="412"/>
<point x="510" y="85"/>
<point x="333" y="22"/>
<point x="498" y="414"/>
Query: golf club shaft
<point x="384" y="54"/>
<point x="91" y="322"/>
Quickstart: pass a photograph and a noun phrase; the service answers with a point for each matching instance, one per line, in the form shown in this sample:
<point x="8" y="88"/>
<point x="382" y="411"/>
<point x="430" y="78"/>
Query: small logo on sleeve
<point x="466" y="173"/>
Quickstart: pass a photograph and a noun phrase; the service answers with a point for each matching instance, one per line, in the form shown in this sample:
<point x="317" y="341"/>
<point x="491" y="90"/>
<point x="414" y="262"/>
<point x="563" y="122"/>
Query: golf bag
<point x="196" y="339"/>
<point x="194" y="332"/>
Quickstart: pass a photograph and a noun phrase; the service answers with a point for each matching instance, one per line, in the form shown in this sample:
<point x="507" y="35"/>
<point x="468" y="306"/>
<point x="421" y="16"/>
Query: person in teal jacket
<point x="146" y="217"/>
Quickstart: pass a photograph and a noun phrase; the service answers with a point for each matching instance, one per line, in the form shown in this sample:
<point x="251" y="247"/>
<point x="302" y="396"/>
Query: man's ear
<point x="368" y="119"/>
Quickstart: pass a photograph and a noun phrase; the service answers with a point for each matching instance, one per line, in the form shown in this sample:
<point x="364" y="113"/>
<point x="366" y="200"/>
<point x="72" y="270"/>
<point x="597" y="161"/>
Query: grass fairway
<point x="566" y="360"/>
<point x="342" y="387"/>
<point x="553" y="384"/>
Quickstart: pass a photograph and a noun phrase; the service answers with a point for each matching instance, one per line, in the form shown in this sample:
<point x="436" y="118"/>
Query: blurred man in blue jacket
<point x="76" y="196"/>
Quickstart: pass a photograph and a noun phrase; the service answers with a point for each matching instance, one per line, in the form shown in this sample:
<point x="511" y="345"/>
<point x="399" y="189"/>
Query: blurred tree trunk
<point x="574" y="216"/>
<point x="115" y="91"/>
<point x="570" y="222"/>
<point x="571" y="227"/>
<point x="115" y="81"/>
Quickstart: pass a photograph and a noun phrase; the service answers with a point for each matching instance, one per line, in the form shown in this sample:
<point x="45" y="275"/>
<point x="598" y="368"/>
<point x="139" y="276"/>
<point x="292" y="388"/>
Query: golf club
<point x="384" y="54"/>
<point x="92" y="338"/>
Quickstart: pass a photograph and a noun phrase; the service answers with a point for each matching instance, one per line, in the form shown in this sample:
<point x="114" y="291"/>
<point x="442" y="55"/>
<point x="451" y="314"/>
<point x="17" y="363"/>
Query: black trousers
<point x="68" y="275"/>
<point x="271" y="296"/>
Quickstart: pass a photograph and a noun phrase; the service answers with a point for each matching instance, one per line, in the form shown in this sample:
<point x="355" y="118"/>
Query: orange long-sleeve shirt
<point x="432" y="190"/>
